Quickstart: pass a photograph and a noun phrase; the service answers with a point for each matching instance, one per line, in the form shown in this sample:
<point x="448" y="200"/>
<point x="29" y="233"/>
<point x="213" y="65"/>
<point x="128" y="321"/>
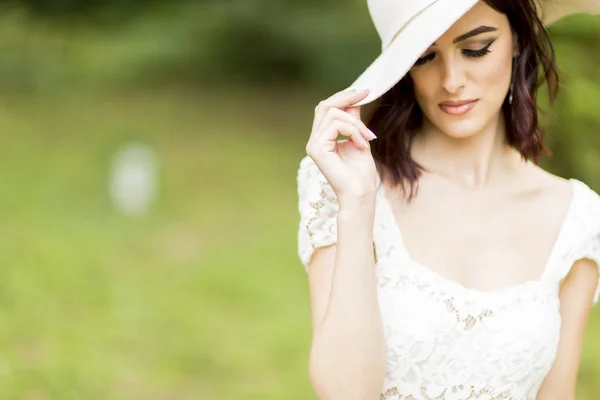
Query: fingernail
<point x="371" y="132"/>
<point x="365" y="89"/>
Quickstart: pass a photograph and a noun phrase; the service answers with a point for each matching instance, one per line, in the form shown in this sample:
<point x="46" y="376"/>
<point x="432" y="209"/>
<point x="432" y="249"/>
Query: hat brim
<point x="410" y="43"/>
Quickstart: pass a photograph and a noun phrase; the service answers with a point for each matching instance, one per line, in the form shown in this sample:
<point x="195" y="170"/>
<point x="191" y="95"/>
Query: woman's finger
<point x="327" y="138"/>
<point x="328" y="133"/>
<point x="336" y="113"/>
<point x="339" y="100"/>
<point x="338" y="127"/>
<point x="354" y="111"/>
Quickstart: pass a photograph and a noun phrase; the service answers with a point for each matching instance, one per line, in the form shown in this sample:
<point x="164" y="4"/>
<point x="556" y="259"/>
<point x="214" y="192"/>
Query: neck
<point x="472" y="161"/>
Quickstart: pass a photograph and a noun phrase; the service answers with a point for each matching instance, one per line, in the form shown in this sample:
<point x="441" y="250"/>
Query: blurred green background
<point x="148" y="200"/>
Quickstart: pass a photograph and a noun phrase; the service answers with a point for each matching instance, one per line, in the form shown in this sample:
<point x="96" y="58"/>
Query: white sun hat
<point x="408" y="27"/>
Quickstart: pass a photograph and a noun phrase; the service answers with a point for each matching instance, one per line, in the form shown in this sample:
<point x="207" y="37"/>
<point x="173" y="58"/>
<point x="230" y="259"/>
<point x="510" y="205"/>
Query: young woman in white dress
<point x="443" y="263"/>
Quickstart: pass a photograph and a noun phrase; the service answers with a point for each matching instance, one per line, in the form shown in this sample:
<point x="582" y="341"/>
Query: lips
<point x="458" y="107"/>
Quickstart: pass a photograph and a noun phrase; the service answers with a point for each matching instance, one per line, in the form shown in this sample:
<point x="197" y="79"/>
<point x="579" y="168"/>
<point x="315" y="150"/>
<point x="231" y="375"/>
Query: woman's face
<point x="470" y="66"/>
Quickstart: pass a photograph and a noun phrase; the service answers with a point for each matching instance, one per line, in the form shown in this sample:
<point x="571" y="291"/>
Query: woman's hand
<point x="348" y="165"/>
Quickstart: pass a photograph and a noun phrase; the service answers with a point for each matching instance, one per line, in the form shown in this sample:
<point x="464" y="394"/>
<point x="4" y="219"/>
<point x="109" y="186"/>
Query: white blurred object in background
<point x="133" y="181"/>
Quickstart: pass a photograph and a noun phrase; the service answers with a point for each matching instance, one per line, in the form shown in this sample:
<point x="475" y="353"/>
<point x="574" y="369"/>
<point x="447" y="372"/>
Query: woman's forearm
<point x="348" y="352"/>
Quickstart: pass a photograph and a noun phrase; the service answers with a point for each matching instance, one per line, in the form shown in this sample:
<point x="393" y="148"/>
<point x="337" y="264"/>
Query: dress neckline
<point x="557" y="248"/>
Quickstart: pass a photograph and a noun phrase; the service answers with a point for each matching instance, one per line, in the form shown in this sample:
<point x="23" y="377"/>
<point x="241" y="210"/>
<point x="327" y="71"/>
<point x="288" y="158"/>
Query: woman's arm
<point x="576" y="295"/>
<point x="347" y="359"/>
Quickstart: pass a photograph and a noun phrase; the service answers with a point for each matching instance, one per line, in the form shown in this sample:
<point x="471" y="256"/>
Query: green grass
<point x="202" y="298"/>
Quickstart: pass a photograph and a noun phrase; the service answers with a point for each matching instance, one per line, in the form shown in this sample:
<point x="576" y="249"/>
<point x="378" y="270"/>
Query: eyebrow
<point x="474" y="32"/>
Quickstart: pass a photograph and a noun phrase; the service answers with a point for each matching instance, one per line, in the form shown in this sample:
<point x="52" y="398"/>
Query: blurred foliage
<point x="198" y="42"/>
<point x="90" y="11"/>
<point x="94" y="305"/>
<point x="282" y="43"/>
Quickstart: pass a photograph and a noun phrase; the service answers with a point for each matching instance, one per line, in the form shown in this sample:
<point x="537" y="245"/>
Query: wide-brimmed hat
<point x="408" y="27"/>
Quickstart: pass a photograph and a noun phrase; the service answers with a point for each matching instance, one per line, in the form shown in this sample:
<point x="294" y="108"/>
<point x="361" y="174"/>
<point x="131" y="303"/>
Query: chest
<point x="466" y="306"/>
<point x="486" y="244"/>
<point x="433" y="307"/>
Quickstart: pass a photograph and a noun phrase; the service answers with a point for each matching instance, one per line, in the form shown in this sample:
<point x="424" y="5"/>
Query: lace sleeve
<point x="318" y="207"/>
<point x="586" y="236"/>
<point x="590" y="248"/>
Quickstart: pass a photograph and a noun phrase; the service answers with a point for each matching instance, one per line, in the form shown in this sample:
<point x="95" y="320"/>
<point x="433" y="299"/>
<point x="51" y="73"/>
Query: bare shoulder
<point x="558" y="197"/>
<point x="561" y="189"/>
<point x="550" y="190"/>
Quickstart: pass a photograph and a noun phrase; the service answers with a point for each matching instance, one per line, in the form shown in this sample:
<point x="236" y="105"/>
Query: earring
<point x="512" y="81"/>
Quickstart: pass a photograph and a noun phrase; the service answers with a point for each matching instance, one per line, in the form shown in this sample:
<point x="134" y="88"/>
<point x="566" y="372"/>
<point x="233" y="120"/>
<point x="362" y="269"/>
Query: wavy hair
<point x="397" y="115"/>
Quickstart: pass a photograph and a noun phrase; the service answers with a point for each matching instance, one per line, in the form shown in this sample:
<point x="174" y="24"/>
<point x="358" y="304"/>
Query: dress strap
<point x="565" y="235"/>
<point x="387" y="234"/>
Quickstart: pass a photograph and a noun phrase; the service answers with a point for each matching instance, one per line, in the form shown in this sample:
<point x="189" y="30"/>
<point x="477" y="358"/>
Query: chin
<point x="460" y="129"/>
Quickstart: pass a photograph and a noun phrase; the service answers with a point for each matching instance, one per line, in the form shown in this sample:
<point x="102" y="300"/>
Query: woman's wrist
<point x="357" y="207"/>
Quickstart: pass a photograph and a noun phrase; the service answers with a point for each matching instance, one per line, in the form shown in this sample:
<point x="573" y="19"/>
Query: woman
<point x="443" y="262"/>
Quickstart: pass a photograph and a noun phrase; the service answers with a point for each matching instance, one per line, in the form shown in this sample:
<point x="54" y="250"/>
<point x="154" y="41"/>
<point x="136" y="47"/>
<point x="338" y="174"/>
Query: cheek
<point x="493" y="76"/>
<point x="426" y="85"/>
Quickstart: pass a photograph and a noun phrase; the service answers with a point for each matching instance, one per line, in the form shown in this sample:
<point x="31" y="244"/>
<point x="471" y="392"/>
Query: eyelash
<point x="469" y="53"/>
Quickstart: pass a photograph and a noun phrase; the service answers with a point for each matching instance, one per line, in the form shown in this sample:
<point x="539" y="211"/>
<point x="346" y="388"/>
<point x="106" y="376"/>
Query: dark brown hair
<point x="398" y="115"/>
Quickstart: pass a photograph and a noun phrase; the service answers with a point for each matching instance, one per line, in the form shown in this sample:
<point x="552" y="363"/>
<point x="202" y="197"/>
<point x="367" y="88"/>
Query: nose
<point x="453" y="76"/>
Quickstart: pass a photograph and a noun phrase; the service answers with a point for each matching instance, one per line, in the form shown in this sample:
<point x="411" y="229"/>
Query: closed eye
<point x="467" y="52"/>
<point x="425" y="59"/>
<point x="478" y="53"/>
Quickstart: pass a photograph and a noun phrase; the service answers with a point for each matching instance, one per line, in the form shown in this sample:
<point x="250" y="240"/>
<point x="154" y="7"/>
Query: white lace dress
<point x="445" y="341"/>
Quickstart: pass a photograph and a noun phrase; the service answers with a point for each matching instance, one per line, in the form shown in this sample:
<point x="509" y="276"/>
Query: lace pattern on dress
<point x="318" y="207"/>
<point x="460" y="343"/>
<point x="445" y="341"/>
<point x="454" y="393"/>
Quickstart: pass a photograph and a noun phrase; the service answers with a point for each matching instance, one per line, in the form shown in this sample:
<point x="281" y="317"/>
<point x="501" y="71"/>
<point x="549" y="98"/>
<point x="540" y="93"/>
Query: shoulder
<point x="588" y="198"/>
<point x="572" y="199"/>
<point x="583" y="202"/>
<point x="554" y="190"/>
<point x="548" y="197"/>
<point x="584" y="238"/>
<point x="586" y="215"/>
